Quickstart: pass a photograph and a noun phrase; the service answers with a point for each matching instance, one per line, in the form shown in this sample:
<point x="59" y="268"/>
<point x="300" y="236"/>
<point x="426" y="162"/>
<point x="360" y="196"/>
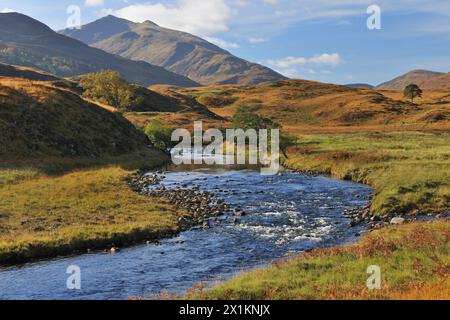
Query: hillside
<point x="440" y="82"/>
<point x="176" y="51"/>
<point x="308" y="103"/>
<point x="39" y="118"/>
<point x="425" y="79"/>
<point x="27" y="42"/>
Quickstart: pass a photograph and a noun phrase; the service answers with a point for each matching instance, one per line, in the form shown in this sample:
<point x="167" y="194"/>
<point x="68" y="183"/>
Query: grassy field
<point x="51" y="208"/>
<point x="410" y="171"/>
<point x="410" y="174"/>
<point x="414" y="260"/>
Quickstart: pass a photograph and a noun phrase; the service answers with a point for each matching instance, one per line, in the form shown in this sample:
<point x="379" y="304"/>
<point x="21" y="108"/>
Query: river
<point x="286" y="214"/>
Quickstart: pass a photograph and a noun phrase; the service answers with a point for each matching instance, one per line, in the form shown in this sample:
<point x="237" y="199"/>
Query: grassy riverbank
<point x="414" y="260"/>
<point x="410" y="171"/>
<point x="410" y="174"/>
<point x="55" y="207"/>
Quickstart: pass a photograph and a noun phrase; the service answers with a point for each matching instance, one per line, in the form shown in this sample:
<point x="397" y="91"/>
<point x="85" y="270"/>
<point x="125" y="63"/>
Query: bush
<point x="159" y="135"/>
<point x="110" y="88"/>
<point x="246" y="119"/>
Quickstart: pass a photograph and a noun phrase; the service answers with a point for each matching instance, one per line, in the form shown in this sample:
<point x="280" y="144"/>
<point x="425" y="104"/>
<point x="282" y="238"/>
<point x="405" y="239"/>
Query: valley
<point x="366" y="177"/>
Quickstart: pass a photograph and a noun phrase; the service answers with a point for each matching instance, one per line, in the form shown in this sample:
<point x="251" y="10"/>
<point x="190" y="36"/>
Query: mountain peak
<point x="176" y="51"/>
<point x="424" y="78"/>
<point x="112" y="18"/>
<point x="100" y="29"/>
<point x="150" y="23"/>
<point x="20" y="23"/>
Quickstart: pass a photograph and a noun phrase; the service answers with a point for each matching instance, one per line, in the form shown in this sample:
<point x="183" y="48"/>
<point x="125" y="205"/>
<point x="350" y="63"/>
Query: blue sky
<point x="324" y="40"/>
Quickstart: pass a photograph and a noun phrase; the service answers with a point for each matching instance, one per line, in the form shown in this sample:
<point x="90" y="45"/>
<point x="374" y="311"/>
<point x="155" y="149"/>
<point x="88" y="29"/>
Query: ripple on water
<point x="285" y="214"/>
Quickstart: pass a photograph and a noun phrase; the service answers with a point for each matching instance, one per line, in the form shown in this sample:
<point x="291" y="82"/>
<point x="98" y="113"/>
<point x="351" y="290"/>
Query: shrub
<point x="245" y="119"/>
<point x="110" y="88"/>
<point x="159" y="135"/>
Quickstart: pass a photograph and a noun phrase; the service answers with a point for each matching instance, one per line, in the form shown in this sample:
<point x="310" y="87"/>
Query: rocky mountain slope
<point x="27" y="42"/>
<point x="179" y="52"/>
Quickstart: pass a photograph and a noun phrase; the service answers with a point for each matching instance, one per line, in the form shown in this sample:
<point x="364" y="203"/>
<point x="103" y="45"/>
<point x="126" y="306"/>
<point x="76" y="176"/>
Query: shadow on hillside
<point x="55" y="166"/>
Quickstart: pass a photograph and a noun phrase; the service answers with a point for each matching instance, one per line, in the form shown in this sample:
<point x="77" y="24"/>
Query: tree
<point x="412" y="91"/>
<point x="110" y="88"/>
<point x="287" y="141"/>
<point x="245" y="119"/>
<point x="159" y="135"/>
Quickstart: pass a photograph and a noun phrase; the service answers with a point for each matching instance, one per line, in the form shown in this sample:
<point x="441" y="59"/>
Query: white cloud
<point x="289" y="73"/>
<point x="7" y="10"/>
<point x="323" y="59"/>
<point x="94" y="3"/>
<point x="256" y="40"/>
<point x="222" y="43"/>
<point x="199" y="17"/>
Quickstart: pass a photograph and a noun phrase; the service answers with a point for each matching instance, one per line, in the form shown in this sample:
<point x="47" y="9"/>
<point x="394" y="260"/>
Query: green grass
<point x="410" y="171"/>
<point x="414" y="260"/>
<point x="55" y="208"/>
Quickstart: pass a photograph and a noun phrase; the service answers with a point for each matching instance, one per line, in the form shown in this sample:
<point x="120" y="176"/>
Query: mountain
<point x="39" y="118"/>
<point x="179" y="52"/>
<point x="360" y="85"/>
<point x="27" y="42"/>
<point x="440" y="82"/>
<point x="425" y="79"/>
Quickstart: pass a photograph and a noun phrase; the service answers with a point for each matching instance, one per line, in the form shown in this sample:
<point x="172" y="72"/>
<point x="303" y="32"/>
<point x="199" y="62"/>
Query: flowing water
<point x="286" y="214"/>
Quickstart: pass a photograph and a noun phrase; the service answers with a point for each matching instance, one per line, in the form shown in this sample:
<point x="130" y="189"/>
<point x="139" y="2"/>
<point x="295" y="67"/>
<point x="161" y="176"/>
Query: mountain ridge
<point x="177" y="51"/>
<point x="426" y="79"/>
<point x="27" y="42"/>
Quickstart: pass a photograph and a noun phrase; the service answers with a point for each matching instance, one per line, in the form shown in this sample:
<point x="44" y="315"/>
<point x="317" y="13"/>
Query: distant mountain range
<point x="428" y="80"/>
<point x="179" y="52"/>
<point x="27" y="42"/>
<point x="360" y="85"/>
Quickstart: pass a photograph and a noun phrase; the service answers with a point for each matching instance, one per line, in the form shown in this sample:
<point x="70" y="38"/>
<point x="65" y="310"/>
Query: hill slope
<point x="308" y="103"/>
<point x="176" y="51"/>
<point x="27" y="42"/>
<point x="37" y="118"/>
<point x="440" y="82"/>
<point x="425" y="79"/>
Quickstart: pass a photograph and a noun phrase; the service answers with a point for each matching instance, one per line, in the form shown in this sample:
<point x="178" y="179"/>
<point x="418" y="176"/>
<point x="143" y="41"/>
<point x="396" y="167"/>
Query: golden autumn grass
<point x="414" y="260"/>
<point x="377" y="138"/>
<point x="306" y="103"/>
<point x="54" y="202"/>
<point x="58" y="207"/>
<point x="373" y="137"/>
<point x="409" y="171"/>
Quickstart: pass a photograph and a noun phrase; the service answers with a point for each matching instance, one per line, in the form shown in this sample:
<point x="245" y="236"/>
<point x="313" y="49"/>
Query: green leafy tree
<point x="246" y="119"/>
<point x="412" y="91"/>
<point x="159" y="135"/>
<point x="110" y="88"/>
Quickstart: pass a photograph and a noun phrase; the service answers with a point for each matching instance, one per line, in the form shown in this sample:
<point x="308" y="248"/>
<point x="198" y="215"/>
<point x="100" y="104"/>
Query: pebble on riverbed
<point x="200" y="205"/>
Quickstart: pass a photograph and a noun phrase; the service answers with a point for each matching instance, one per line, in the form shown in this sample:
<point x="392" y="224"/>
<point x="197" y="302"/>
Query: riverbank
<point x="413" y="260"/>
<point x="53" y="207"/>
<point x="409" y="171"/>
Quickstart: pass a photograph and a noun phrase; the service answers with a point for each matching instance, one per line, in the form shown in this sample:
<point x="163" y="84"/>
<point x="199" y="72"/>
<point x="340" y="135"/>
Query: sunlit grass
<point x="410" y="171"/>
<point x="50" y="210"/>
<point x="412" y="258"/>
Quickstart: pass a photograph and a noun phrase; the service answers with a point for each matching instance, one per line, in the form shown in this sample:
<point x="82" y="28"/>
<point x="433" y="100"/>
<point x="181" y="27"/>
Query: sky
<point x="335" y="41"/>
